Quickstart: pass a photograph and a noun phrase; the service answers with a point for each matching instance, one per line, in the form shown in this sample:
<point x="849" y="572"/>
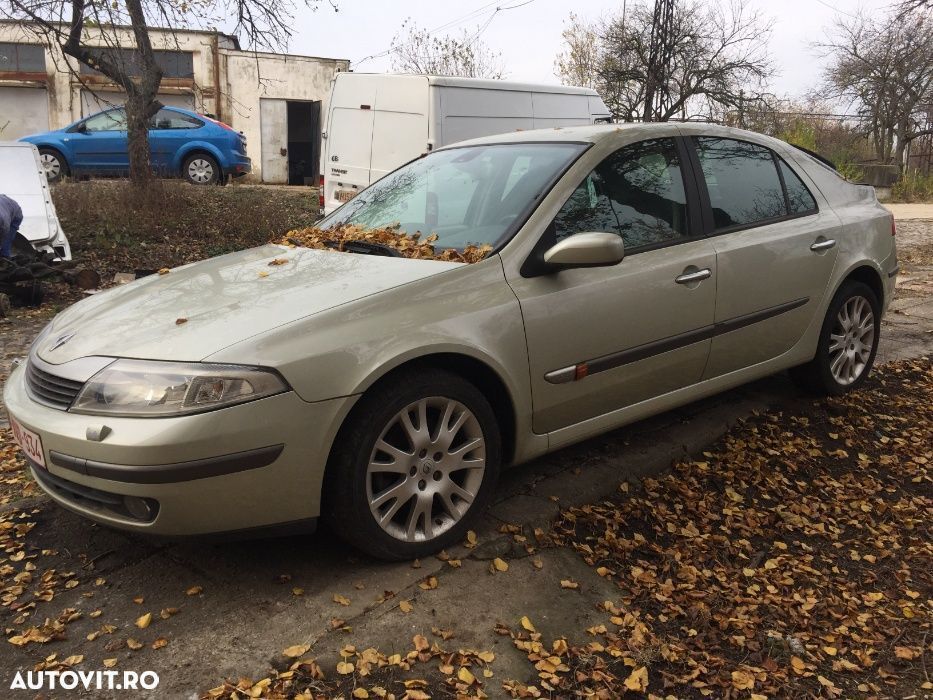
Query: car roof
<point x="595" y="133"/>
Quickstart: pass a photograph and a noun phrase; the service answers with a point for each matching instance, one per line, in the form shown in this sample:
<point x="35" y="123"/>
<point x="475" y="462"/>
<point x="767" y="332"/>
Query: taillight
<point x="893" y="227"/>
<point x="320" y="195"/>
<point x="218" y="123"/>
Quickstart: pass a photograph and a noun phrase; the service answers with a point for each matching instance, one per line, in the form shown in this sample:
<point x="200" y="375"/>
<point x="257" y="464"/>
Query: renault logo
<point x="61" y="340"/>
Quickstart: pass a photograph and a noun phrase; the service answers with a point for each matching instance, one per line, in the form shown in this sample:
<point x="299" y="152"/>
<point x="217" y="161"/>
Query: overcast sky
<point x="528" y="37"/>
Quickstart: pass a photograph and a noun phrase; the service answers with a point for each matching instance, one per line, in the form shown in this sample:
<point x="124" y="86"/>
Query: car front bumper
<point x="254" y="465"/>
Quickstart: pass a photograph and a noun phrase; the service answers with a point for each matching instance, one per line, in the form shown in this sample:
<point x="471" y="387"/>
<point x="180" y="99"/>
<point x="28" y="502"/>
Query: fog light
<point x="140" y="508"/>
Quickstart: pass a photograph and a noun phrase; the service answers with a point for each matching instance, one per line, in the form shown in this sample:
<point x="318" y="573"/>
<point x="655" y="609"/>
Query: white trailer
<point x="377" y="122"/>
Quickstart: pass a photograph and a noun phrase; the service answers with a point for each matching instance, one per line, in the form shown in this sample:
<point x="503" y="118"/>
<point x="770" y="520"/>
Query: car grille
<point x="49" y="389"/>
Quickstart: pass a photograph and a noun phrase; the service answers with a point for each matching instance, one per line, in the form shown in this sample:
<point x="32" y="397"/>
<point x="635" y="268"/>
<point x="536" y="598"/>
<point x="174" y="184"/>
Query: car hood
<point x="194" y="311"/>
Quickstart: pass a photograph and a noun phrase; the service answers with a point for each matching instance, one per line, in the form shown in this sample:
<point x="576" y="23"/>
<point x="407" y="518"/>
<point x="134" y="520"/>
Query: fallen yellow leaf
<point x="293" y="652"/>
<point x="638" y="680"/>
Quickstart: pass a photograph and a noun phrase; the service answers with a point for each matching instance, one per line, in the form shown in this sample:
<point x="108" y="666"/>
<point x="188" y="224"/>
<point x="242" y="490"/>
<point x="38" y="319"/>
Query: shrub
<point x="116" y="227"/>
<point x="913" y="187"/>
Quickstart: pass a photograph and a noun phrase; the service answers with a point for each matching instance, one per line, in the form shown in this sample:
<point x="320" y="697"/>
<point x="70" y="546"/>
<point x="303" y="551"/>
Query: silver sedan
<point x="631" y="269"/>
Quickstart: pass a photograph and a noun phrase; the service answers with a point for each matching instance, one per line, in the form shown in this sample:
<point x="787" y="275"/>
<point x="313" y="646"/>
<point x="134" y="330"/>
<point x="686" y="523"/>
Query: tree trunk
<point x="139" y="110"/>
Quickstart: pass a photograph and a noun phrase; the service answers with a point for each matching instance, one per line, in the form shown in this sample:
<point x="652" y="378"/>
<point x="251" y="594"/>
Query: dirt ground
<point x="642" y="561"/>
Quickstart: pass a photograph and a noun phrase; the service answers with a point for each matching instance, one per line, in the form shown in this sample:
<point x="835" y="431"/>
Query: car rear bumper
<point x="249" y="466"/>
<point x="239" y="165"/>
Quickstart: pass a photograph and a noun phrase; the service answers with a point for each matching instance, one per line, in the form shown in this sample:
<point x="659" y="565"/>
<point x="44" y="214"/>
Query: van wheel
<point x="416" y="463"/>
<point x="53" y="164"/>
<point x="201" y="169"/>
<point x="847" y="345"/>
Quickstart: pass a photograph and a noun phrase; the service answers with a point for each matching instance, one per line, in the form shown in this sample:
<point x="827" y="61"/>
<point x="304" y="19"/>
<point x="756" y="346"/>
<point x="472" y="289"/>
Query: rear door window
<point x="799" y="199"/>
<point x="742" y="181"/>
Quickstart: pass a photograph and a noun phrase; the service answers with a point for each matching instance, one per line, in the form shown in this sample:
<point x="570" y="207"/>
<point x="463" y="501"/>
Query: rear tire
<point x="54" y="164"/>
<point x="847" y="345"/>
<point x="402" y="483"/>
<point x="201" y="169"/>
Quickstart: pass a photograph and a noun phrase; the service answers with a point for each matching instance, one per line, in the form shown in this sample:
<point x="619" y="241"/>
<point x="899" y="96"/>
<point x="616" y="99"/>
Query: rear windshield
<point x="464" y="196"/>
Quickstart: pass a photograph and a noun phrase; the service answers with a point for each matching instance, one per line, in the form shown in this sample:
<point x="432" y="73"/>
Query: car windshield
<point x="464" y="196"/>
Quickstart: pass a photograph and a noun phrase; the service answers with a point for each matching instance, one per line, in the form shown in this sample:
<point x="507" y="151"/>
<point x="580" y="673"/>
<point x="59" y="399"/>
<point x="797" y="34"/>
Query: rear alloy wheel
<point x="848" y="342"/>
<point x="417" y="462"/>
<point x="53" y="165"/>
<point x="201" y="169"/>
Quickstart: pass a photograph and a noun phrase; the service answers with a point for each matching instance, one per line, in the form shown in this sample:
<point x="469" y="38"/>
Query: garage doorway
<point x="291" y="141"/>
<point x="304" y="138"/>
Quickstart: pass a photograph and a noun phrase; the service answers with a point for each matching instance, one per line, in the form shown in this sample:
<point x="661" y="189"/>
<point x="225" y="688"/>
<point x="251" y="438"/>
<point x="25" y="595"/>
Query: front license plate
<point x="344" y="195"/>
<point x="29" y="442"/>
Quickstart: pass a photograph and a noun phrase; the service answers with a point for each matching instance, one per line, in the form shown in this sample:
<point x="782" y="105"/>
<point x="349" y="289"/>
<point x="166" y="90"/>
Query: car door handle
<point x="823" y="245"/>
<point x="697" y="276"/>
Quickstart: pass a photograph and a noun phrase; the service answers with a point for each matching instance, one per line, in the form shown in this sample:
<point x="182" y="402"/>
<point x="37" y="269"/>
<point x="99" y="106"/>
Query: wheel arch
<point x="869" y="275"/>
<point x="193" y="148"/>
<point x="59" y="149"/>
<point x="474" y="370"/>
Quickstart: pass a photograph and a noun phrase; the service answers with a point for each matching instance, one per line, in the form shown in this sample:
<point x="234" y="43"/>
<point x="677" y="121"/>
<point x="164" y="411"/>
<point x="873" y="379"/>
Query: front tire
<point x="415" y="464"/>
<point x="201" y="169"/>
<point x="53" y="164"/>
<point x="848" y="343"/>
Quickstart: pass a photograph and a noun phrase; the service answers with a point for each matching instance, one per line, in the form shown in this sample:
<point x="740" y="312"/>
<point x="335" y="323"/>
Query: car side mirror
<point x="81" y="128"/>
<point x="596" y="249"/>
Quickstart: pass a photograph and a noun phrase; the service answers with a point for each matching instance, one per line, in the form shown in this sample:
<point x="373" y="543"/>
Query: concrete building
<point x="274" y="99"/>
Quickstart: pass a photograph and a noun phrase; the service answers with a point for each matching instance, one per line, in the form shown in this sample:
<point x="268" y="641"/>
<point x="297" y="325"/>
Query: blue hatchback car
<point x="202" y="150"/>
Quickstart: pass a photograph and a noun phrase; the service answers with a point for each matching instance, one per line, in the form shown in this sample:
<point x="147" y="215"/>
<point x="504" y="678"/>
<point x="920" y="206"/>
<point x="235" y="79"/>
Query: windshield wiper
<point x="365" y="247"/>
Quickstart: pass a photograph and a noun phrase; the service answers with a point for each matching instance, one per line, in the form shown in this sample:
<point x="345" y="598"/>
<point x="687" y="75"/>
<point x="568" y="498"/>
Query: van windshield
<point x="464" y="196"/>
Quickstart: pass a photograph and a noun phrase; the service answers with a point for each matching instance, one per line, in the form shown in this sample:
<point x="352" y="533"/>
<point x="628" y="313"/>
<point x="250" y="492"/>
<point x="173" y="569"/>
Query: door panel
<point x="273" y="129"/>
<point x="769" y="269"/>
<point x="102" y="147"/>
<point x="600" y="339"/>
<point x="642" y="333"/>
<point x="764" y="223"/>
<point x="349" y="152"/>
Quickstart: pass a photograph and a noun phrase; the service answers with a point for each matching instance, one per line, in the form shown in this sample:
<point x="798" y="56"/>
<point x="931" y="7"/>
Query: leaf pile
<point x="408" y="245"/>
<point x="793" y="560"/>
<point x="369" y="673"/>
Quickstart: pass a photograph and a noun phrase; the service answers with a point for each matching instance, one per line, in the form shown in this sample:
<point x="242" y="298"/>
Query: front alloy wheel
<point x="426" y="469"/>
<point x="415" y="463"/>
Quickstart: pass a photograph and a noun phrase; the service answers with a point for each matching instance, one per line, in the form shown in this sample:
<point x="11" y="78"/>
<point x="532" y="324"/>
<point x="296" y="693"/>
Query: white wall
<point x="251" y="78"/>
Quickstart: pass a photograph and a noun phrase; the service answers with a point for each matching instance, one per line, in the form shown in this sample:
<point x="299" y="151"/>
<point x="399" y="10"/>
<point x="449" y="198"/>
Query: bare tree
<point x="715" y="59"/>
<point x="415" y="50"/>
<point x="884" y="67"/>
<point x="578" y="62"/>
<point x="114" y="39"/>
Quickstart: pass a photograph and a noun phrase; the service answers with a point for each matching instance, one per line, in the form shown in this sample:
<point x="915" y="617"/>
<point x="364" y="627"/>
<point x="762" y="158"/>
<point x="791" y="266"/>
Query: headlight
<point x="151" y="389"/>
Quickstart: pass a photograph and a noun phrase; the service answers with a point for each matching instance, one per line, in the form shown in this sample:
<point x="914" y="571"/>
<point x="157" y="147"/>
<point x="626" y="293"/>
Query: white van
<point x="377" y="122"/>
<point x="23" y="179"/>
